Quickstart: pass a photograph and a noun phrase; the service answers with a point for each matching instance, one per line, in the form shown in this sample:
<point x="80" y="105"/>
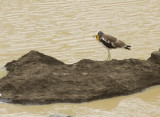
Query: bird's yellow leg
<point x="108" y="58"/>
<point x="109" y="55"/>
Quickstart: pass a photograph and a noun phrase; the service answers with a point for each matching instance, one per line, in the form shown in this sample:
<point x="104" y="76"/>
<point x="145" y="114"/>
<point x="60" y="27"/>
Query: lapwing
<point x="110" y="42"/>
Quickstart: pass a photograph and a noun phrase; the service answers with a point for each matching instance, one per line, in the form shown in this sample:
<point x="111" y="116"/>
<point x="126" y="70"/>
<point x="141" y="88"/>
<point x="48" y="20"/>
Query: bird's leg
<point x="109" y="55"/>
<point x="108" y="58"/>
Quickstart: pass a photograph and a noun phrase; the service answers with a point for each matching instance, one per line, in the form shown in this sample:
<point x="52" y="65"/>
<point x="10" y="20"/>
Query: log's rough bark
<point x="36" y="78"/>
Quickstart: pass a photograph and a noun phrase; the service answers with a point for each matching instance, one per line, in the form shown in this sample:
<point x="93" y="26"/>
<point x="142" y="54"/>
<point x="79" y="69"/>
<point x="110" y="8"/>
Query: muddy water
<point x="64" y="29"/>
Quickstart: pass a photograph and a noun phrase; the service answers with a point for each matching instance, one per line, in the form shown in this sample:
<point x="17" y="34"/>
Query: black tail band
<point x="127" y="47"/>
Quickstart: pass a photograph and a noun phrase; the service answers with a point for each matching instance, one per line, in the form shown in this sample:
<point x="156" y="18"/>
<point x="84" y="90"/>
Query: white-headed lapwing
<point x="110" y="42"/>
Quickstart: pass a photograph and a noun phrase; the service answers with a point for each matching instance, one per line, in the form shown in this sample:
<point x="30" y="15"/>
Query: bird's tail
<point x="128" y="47"/>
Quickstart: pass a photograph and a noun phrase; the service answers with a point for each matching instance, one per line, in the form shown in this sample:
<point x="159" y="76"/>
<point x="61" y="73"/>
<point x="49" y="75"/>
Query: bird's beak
<point x="94" y="36"/>
<point x="97" y="37"/>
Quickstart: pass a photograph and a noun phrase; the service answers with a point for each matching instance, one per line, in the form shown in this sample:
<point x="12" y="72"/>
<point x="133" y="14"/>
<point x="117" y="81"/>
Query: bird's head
<point x="99" y="35"/>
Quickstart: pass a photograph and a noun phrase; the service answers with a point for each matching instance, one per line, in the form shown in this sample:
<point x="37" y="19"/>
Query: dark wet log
<point x="36" y="78"/>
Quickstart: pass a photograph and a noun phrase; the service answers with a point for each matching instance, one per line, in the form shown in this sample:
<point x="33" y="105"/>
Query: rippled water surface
<point x="64" y="29"/>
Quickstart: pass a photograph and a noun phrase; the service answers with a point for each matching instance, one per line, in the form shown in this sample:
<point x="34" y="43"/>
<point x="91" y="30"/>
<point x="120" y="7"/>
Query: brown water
<point x="64" y="29"/>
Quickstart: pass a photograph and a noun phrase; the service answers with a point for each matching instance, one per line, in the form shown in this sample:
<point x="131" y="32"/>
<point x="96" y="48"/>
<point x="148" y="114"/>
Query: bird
<point x="110" y="42"/>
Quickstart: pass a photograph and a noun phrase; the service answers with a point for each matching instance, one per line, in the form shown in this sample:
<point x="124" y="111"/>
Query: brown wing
<point x="119" y="44"/>
<point x="110" y="38"/>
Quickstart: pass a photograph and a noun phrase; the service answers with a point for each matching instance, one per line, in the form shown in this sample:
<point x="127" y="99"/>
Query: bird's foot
<point x="108" y="59"/>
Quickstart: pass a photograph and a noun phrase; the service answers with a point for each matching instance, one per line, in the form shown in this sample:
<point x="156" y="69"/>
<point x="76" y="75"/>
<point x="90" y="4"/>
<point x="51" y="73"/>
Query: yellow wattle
<point x="97" y="36"/>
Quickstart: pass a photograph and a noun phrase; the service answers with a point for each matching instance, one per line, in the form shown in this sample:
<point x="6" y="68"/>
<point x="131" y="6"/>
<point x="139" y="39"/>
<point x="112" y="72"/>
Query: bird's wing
<point x="110" y="38"/>
<point x="107" y="43"/>
<point x="119" y="44"/>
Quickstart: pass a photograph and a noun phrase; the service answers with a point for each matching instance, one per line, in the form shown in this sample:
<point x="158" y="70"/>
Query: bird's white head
<point x="98" y="35"/>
